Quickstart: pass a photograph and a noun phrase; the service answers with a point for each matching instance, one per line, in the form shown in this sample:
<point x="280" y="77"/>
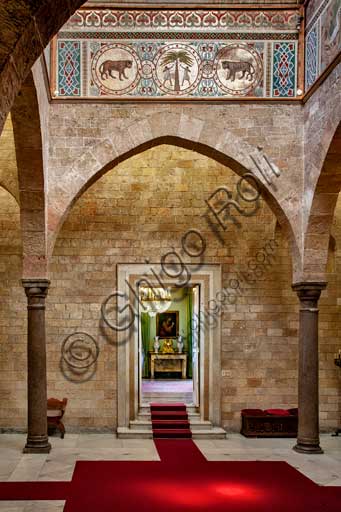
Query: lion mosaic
<point x="233" y="67"/>
<point x="108" y="67"/>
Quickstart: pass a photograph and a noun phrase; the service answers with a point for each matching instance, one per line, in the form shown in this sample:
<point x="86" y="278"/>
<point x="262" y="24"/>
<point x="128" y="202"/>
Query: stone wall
<point x="85" y="139"/>
<point x="330" y="328"/>
<point x="140" y="210"/>
<point x="12" y="317"/>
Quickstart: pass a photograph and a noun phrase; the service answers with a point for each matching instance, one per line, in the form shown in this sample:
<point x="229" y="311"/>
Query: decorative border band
<point x="256" y="36"/>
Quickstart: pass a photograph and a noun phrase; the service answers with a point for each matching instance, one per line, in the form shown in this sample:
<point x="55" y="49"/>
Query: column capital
<point x="36" y="287"/>
<point x="309" y="290"/>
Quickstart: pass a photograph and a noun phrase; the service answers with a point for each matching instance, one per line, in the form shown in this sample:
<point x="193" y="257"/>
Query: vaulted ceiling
<point x="8" y="162"/>
<point x="26" y="26"/>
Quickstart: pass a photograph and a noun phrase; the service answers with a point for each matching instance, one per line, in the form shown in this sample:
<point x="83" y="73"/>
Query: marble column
<point x="37" y="439"/>
<point x="308" y="440"/>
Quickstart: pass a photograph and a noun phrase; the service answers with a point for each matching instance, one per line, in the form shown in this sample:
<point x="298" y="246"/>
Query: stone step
<point x="147" y="417"/>
<point x="140" y="425"/>
<point x="146" y="424"/>
<point x="191" y="409"/>
<point x="178" y="424"/>
<point x="146" y="414"/>
<point x="128" y="433"/>
<point x="212" y="433"/>
<point x="167" y="407"/>
<point x="172" y="433"/>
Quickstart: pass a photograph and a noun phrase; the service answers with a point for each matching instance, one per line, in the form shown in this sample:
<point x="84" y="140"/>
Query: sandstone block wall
<point x="139" y="210"/>
<point x="12" y="317"/>
<point x="86" y="138"/>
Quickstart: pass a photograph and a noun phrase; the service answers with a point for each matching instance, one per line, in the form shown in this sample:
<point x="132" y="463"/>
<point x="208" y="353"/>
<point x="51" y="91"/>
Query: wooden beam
<point x="53" y="64"/>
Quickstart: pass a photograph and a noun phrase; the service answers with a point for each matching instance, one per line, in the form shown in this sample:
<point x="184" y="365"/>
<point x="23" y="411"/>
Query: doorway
<point x="206" y="283"/>
<point x="169" y="344"/>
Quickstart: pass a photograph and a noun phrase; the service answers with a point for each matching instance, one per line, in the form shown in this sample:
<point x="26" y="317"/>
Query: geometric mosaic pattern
<point x="69" y="68"/>
<point x="323" y="37"/>
<point x="311" y="57"/>
<point x="284" y="69"/>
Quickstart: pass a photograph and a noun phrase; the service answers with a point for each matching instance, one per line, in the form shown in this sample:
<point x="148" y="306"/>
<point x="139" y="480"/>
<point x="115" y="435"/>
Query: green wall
<point x="179" y="303"/>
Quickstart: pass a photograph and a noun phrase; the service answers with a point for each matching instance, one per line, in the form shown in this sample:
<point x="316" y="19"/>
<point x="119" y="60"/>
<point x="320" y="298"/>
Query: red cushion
<point x="252" y="412"/>
<point x="277" y="412"/>
<point x="293" y="412"/>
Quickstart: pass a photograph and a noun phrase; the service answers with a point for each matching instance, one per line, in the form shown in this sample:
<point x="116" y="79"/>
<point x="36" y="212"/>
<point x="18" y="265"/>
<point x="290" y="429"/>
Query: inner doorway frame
<point x="195" y="352"/>
<point x="209" y="278"/>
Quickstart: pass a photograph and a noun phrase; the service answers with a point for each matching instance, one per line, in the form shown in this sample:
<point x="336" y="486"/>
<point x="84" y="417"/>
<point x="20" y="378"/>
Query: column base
<point x="308" y="448"/>
<point x="37" y="444"/>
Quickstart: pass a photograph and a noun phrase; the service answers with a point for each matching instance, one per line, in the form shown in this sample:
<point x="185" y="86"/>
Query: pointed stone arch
<point x="322" y="116"/>
<point x="188" y="132"/>
<point x="317" y="237"/>
<point x="27" y="27"/>
<point x="29" y="155"/>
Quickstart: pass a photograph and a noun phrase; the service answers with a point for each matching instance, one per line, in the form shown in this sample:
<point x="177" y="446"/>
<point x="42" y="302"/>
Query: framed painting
<point x="167" y="324"/>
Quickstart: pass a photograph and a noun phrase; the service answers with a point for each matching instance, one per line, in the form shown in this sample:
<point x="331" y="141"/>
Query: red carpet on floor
<point x="170" y="421"/>
<point x="183" y="481"/>
<point x="34" y="490"/>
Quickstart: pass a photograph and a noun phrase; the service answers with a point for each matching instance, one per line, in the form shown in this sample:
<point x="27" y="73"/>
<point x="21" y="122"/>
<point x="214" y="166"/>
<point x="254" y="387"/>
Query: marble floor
<point x="59" y="464"/>
<point x="167" y="390"/>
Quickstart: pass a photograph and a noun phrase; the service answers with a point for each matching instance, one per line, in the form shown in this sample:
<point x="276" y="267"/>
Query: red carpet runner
<point x="170" y="421"/>
<point x="183" y="481"/>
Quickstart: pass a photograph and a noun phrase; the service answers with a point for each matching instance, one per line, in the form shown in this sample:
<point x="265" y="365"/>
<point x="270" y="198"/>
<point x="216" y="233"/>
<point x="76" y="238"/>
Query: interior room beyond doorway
<point x="169" y="348"/>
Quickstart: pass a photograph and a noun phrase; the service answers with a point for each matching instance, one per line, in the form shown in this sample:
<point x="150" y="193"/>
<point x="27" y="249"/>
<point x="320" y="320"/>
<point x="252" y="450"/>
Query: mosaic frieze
<point x="166" y="54"/>
<point x="323" y="38"/>
<point x="176" y="69"/>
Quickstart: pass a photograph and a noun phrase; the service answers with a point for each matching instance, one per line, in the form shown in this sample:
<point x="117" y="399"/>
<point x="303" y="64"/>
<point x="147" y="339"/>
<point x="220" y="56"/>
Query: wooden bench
<point x="269" y="423"/>
<point x="55" y="412"/>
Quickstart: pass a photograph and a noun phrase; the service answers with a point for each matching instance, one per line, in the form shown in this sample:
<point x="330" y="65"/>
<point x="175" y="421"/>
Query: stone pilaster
<point x="308" y="440"/>
<point x="37" y="439"/>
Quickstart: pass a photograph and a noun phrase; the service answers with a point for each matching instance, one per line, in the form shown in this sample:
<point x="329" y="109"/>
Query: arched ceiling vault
<point x="8" y="161"/>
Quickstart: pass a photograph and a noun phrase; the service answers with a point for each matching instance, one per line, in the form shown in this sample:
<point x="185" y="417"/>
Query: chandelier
<point x="155" y="300"/>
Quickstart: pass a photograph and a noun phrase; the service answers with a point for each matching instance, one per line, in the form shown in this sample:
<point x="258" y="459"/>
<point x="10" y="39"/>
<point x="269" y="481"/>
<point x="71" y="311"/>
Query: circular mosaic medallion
<point x="116" y="69"/>
<point x="177" y="69"/>
<point x="207" y="68"/>
<point x="147" y="69"/>
<point x="238" y="69"/>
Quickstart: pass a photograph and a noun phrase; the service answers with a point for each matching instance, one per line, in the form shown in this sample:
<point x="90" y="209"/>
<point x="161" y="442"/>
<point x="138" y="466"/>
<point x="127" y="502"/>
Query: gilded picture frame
<point x="167" y="324"/>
